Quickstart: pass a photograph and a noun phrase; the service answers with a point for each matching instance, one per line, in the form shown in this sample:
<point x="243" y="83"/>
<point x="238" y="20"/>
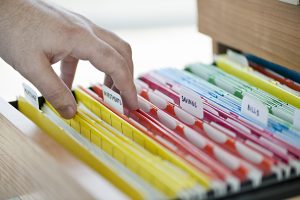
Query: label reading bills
<point x="31" y="95"/>
<point x="191" y="102"/>
<point x="255" y="109"/>
<point x="113" y="99"/>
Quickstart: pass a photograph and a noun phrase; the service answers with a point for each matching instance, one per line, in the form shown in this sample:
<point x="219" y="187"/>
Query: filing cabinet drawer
<point x="269" y="29"/>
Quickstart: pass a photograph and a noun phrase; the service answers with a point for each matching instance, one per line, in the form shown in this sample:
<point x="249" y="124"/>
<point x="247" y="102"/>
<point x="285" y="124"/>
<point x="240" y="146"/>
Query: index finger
<point x="107" y="59"/>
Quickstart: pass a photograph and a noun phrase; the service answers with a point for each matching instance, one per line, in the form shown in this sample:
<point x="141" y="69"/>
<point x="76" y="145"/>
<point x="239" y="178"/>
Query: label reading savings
<point x="255" y="109"/>
<point x="191" y="102"/>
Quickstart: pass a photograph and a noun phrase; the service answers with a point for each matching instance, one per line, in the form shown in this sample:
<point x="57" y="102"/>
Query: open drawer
<point x="35" y="166"/>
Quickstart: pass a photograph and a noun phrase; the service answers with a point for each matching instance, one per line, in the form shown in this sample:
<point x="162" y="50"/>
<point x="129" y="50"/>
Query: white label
<point x="238" y="58"/>
<point x="297" y="119"/>
<point x="31" y="95"/>
<point x="191" y="102"/>
<point x="255" y="109"/>
<point x="113" y="99"/>
<point x="293" y="2"/>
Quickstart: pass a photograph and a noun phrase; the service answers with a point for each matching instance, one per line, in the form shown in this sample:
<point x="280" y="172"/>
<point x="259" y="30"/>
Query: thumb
<point x="43" y="77"/>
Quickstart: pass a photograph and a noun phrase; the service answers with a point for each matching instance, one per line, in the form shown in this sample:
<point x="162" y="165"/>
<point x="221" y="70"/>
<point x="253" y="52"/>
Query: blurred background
<point x="161" y="34"/>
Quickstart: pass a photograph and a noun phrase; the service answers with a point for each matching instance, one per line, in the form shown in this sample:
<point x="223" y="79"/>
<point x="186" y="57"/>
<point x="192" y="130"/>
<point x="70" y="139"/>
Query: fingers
<point x="121" y="47"/>
<point x="107" y="59"/>
<point x="40" y="73"/>
<point x="118" y="44"/>
<point x="108" y="81"/>
<point x="68" y="68"/>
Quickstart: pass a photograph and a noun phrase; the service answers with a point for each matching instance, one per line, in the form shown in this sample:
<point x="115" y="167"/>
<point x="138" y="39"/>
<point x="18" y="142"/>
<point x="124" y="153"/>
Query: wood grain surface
<point x="26" y="170"/>
<point x="266" y="28"/>
<point x="34" y="166"/>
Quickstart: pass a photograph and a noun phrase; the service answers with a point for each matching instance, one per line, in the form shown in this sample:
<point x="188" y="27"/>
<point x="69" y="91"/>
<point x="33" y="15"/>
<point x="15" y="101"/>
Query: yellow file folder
<point x="77" y="149"/>
<point x="136" y="135"/>
<point x="243" y="73"/>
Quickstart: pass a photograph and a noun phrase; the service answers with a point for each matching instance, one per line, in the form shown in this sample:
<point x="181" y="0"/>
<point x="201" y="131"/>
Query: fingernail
<point x="133" y="105"/>
<point x="67" y="112"/>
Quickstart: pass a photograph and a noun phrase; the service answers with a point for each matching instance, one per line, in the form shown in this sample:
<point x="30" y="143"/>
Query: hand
<point x="34" y="35"/>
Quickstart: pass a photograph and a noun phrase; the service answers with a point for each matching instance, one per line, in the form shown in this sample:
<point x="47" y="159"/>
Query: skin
<point x="35" y="34"/>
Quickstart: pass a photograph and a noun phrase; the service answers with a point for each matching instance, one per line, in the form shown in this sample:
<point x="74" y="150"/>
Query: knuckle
<point x="121" y="62"/>
<point x="123" y="72"/>
<point x="118" y="62"/>
<point x="127" y="48"/>
<point x="75" y="31"/>
<point x="128" y="55"/>
<point x="58" y="97"/>
<point x="106" y="51"/>
<point x="118" y="70"/>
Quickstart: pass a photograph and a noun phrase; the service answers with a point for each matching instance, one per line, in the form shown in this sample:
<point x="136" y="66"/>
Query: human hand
<point x="35" y="34"/>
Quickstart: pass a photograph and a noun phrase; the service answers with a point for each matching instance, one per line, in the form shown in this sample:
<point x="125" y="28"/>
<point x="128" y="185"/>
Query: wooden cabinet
<point x="266" y="28"/>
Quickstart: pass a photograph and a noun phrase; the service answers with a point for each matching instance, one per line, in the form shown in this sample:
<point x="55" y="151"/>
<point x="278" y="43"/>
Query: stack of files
<point x="259" y="80"/>
<point x="267" y="73"/>
<point x="165" y="151"/>
<point x="230" y="103"/>
<point x="284" y="75"/>
<point x="244" y="144"/>
<point x="240" y="88"/>
<point x="140" y="163"/>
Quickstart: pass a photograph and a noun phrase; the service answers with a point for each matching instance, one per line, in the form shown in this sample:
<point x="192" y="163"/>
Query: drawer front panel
<point x="269" y="29"/>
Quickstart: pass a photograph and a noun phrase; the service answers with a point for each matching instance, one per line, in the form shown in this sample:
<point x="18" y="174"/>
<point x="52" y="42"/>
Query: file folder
<point x="76" y="148"/>
<point x="242" y="72"/>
